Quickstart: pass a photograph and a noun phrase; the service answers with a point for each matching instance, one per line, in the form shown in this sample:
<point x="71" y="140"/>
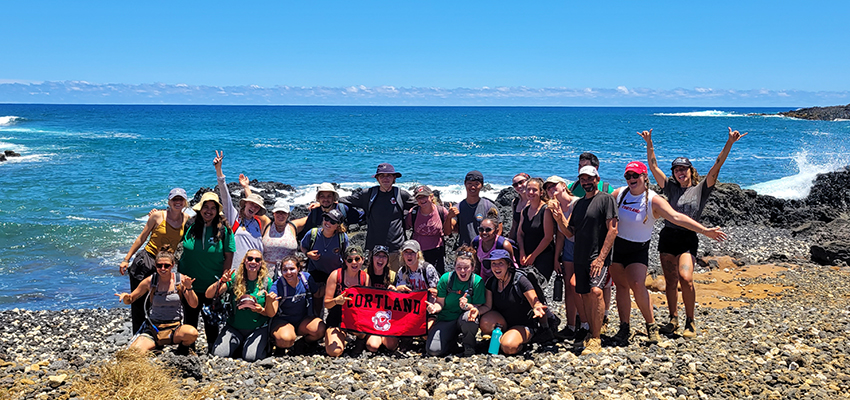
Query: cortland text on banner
<point x="385" y="312"/>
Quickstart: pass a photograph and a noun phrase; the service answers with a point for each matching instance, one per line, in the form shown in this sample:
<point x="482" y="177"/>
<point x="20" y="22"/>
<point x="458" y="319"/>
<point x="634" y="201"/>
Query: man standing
<point x="384" y="206"/>
<point x="584" y="160"/>
<point x="328" y="199"/>
<point x="467" y="216"/>
<point x="594" y="225"/>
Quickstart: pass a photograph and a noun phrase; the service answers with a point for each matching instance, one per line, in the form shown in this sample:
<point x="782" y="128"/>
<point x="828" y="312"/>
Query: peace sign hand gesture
<point x="219" y="155"/>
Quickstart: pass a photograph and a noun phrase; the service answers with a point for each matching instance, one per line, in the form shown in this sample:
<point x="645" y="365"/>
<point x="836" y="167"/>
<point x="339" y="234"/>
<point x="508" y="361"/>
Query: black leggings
<point x="191" y="316"/>
<point x="437" y="258"/>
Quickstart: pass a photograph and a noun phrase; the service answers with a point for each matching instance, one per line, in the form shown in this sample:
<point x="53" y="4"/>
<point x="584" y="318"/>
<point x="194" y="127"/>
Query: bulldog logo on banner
<point x="384" y="312"/>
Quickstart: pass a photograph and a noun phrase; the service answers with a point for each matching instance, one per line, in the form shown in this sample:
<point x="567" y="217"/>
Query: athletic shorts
<point x="627" y="252"/>
<point x="584" y="282"/>
<point x="279" y="320"/>
<point x="677" y="241"/>
<point x="567" y="253"/>
<point x="319" y="277"/>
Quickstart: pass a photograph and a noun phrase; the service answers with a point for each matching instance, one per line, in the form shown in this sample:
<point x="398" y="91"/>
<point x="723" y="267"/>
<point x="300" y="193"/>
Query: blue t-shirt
<point x="330" y="255"/>
<point x="294" y="301"/>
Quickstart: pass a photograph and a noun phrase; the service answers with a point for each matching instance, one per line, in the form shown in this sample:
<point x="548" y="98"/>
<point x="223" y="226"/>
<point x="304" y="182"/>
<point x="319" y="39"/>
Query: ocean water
<point x="71" y="206"/>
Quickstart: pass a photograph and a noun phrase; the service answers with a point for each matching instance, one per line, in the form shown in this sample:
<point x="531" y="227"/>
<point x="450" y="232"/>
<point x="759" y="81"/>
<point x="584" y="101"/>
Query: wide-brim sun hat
<point x="386" y="168"/>
<point x="208" y="196"/>
<point x="256" y="199"/>
<point x="497" y="254"/>
<point x="327" y="187"/>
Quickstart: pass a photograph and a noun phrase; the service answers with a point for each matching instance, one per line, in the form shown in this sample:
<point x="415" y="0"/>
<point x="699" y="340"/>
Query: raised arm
<point x="662" y="208"/>
<point x="230" y="212"/>
<point x="657" y="173"/>
<point x="734" y="136"/>
<point x="187" y="292"/>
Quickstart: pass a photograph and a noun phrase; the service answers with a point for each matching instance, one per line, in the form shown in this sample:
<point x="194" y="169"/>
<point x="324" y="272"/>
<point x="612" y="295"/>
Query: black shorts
<point x="627" y="252"/>
<point x="319" y="277"/>
<point x="584" y="282"/>
<point x="677" y="241"/>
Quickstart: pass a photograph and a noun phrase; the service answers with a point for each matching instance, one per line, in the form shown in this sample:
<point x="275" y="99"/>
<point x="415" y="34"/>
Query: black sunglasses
<point x="631" y="175"/>
<point x="515" y="184"/>
<point x="257" y="259"/>
<point x="329" y="219"/>
<point x="164" y="265"/>
<point x="482" y="229"/>
<point x="353" y="259"/>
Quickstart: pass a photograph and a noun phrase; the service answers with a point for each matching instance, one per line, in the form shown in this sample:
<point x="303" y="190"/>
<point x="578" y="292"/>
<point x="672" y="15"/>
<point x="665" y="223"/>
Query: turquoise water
<point x="72" y="204"/>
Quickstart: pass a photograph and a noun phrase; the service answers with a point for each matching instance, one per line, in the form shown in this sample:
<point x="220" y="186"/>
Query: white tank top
<point x="631" y="212"/>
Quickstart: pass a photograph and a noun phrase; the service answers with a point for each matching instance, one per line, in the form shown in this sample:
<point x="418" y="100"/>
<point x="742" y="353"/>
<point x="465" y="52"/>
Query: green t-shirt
<point x="205" y="261"/>
<point x="451" y="309"/>
<point x="247" y="319"/>
<point x="578" y="191"/>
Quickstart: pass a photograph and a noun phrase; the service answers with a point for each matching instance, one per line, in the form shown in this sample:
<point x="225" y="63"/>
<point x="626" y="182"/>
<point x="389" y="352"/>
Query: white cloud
<point x="79" y="92"/>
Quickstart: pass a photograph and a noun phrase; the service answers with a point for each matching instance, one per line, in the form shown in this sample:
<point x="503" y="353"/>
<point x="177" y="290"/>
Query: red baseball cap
<point x="637" y="167"/>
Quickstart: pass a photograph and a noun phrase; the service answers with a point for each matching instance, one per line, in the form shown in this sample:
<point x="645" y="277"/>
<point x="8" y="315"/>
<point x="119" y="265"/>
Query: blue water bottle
<point x="494" y="339"/>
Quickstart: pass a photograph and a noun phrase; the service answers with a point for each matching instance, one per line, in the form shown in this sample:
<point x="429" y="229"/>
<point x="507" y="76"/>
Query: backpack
<point x="406" y="272"/>
<point x="315" y="232"/>
<point x="236" y="223"/>
<point x="452" y="284"/>
<point x="303" y="278"/>
<point x="154" y="281"/>
<point x="535" y="277"/>
<point x="605" y="186"/>
<point x="373" y="193"/>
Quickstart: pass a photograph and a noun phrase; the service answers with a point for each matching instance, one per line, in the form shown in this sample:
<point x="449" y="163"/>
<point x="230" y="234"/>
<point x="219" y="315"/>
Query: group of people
<point x="588" y="233"/>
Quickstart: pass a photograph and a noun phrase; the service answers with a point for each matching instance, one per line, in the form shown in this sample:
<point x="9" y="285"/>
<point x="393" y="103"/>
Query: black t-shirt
<point x="471" y="216"/>
<point x="689" y="201"/>
<point x="590" y="224"/>
<point x="386" y="217"/>
<point x="511" y="303"/>
<point x="314" y="218"/>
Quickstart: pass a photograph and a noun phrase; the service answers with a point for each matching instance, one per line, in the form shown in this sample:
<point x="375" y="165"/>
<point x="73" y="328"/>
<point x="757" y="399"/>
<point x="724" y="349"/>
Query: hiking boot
<point x="652" y="333"/>
<point x="593" y="346"/>
<point x="604" y="325"/>
<point x="690" y="329"/>
<point x="581" y="334"/>
<point x="543" y="336"/>
<point x="565" y="334"/>
<point x="670" y="327"/>
<point x="623" y="334"/>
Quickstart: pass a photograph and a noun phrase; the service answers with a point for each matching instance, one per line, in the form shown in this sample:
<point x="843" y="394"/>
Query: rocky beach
<point x="773" y="320"/>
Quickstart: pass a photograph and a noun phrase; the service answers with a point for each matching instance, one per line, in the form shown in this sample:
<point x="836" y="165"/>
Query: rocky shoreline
<point x="833" y="113"/>
<point x="793" y="343"/>
<point x="774" y="332"/>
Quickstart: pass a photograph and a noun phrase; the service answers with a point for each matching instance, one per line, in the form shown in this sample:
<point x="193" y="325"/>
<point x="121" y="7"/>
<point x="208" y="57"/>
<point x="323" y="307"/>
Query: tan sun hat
<point x="256" y="199"/>
<point x="208" y="196"/>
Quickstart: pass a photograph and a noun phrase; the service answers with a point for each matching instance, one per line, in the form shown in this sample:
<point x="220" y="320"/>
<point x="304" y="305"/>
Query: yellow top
<point x="164" y="234"/>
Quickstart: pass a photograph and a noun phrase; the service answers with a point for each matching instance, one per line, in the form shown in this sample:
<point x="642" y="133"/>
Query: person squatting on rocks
<point x="678" y="246"/>
<point x="165" y="290"/>
<point x="294" y="315"/>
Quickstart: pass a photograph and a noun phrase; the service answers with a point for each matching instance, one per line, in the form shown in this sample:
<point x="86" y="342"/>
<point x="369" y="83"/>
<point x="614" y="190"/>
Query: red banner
<point x="385" y="312"/>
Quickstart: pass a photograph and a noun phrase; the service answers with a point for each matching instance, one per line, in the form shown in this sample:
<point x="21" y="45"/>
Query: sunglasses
<point x="353" y="259"/>
<point x="257" y="259"/>
<point x="164" y="265"/>
<point x="464" y="254"/>
<point x="631" y="175"/>
<point x="482" y="229"/>
<point x="516" y="184"/>
<point x="329" y="219"/>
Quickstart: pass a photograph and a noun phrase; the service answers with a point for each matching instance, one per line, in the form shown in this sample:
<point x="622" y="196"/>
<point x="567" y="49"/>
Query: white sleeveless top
<point x="277" y="245"/>
<point x="631" y="212"/>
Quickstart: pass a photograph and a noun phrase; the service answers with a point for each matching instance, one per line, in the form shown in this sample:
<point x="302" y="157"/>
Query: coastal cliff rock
<point x="9" y="153"/>
<point x="820" y="113"/>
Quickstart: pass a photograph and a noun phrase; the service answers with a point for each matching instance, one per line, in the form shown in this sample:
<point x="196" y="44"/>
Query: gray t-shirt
<point x="589" y="222"/>
<point x="689" y="201"/>
<point x="471" y="216"/>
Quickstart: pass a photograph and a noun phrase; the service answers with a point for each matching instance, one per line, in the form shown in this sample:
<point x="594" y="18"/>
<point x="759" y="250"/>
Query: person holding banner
<point x="416" y="273"/>
<point x="381" y="277"/>
<point x="294" y="314"/>
<point x="460" y="298"/>
<point x="348" y="276"/>
<point x="514" y="304"/>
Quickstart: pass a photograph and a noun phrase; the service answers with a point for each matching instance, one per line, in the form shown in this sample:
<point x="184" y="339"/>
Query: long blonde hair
<point x="239" y="283"/>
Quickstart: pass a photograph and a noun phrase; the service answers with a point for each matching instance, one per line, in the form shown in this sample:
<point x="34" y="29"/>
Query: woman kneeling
<point x="294" y="314"/>
<point x="247" y="329"/>
<point x="514" y="304"/>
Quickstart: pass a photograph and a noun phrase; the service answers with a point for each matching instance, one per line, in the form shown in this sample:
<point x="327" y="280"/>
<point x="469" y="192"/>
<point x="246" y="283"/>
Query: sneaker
<point x="652" y="333"/>
<point x="468" y="351"/>
<point x="593" y="346"/>
<point x="623" y="334"/>
<point x="690" y="329"/>
<point x="578" y="342"/>
<point x="670" y="327"/>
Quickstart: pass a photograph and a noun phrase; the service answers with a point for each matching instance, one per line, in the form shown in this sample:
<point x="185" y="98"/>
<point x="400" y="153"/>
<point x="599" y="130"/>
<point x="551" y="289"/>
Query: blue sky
<point x="778" y="47"/>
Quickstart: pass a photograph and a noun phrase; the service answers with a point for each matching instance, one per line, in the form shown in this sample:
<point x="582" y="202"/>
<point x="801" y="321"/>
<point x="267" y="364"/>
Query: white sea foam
<point x="796" y="187"/>
<point x="706" y="113"/>
<point x="9" y="120"/>
<point x="307" y="193"/>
